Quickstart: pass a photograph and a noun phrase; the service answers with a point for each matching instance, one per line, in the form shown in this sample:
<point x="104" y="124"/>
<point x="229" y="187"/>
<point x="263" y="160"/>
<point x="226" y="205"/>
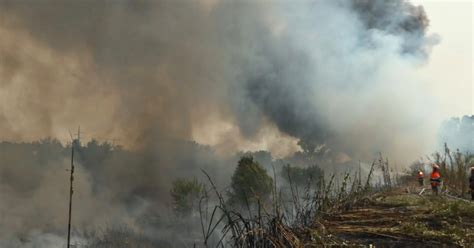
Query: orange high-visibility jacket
<point x="435" y="178"/>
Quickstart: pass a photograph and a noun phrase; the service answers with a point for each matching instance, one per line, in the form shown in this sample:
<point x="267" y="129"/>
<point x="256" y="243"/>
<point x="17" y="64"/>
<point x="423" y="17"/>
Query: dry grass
<point x="280" y="225"/>
<point x="454" y="167"/>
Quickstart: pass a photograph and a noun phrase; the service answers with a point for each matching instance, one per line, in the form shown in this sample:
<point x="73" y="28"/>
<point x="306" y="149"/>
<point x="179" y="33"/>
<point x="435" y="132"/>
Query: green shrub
<point x="186" y="194"/>
<point x="250" y="182"/>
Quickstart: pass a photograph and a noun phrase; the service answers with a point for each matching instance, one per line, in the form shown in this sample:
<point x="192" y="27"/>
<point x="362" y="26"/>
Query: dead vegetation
<point x="278" y="224"/>
<point x="454" y="167"/>
<point x="407" y="220"/>
<point x="352" y="213"/>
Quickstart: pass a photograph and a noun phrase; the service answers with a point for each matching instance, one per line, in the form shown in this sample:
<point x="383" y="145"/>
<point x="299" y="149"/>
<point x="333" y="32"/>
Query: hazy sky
<point x="449" y="73"/>
<point x="112" y="95"/>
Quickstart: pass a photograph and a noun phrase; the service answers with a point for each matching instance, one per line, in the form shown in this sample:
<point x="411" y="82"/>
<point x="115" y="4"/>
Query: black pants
<point x="435" y="189"/>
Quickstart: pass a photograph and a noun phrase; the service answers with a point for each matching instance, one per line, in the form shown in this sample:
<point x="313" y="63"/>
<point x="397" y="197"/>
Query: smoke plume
<point x="235" y="75"/>
<point x="144" y="70"/>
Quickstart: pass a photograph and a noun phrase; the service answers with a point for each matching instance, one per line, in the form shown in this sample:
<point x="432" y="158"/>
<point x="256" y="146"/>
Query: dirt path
<point x="392" y="222"/>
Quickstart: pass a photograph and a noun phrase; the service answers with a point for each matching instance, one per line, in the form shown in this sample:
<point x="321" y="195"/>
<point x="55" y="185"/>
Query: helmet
<point x="435" y="166"/>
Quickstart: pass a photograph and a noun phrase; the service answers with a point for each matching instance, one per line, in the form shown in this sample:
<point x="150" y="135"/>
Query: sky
<point x="449" y="72"/>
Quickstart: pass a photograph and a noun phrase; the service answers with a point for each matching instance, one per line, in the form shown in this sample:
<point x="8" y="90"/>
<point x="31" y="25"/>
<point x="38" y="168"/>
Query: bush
<point x="186" y="194"/>
<point x="250" y="182"/>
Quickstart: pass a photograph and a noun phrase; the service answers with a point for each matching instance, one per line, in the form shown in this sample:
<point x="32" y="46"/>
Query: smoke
<point x="141" y="70"/>
<point x="342" y="74"/>
<point x="112" y="188"/>
<point x="457" y="133"/>
<point x="236" y="75"/>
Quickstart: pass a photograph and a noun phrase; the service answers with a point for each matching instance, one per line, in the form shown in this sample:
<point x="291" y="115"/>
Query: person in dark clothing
<point x="471" y="183"/>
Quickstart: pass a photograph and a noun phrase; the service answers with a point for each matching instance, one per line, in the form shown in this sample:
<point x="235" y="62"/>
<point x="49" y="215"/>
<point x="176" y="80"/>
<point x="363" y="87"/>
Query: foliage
<point x="186" y="194"/>
<point x="302" y="176"/>
<point x="250" y="182"/>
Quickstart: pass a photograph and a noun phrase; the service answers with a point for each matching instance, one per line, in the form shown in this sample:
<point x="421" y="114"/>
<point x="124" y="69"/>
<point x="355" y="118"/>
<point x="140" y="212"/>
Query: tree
<point x="250" y="182"/>
<point x="186" y="194"/>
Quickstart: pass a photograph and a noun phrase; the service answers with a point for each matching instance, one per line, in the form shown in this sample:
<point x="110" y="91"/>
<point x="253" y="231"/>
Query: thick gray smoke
<point x="334" y="77"/>
<point x="141" y="70"/>
<point x="457" y="133"/>
<point x="154" y="74"/>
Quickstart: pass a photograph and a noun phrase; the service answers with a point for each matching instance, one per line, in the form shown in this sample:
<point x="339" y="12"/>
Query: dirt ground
<point x="402" y="218"/>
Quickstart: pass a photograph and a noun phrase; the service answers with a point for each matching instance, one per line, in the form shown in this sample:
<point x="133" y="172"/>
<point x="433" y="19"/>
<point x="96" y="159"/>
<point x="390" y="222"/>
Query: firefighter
<point x="435" y="179"/>
<point x="471" y="183"/>
<point x="420" y="177"/>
